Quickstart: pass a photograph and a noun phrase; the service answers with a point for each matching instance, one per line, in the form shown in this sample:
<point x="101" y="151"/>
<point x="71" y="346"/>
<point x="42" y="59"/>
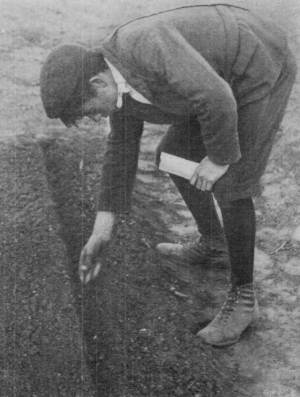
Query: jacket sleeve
<point x="120" y="163"/>
<point x="166" y="55"/>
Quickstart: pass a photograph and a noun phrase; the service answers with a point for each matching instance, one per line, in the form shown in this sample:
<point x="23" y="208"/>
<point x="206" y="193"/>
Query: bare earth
<point x="268" y="355"/>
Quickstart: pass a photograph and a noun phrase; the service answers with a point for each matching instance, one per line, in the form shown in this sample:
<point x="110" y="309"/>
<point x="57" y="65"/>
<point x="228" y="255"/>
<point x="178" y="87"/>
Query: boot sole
<point x="224" y="344"/>
<point x="235" y="340"/>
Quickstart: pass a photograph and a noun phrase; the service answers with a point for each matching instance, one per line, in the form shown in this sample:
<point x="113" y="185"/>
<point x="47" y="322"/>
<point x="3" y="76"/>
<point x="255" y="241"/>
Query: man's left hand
<point x="207" y="174"/>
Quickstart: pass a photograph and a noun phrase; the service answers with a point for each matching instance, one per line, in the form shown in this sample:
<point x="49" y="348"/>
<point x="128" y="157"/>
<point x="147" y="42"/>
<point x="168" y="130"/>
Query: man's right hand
<point x="90" y="258"/>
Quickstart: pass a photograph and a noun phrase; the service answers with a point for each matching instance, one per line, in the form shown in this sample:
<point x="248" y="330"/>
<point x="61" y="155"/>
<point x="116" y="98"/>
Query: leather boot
<point x="195" y="253"/>
<point x="237" y="313"/>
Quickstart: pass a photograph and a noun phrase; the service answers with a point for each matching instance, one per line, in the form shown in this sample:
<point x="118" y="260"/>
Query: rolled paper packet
<point x="177" y="165"/>
<point x="185" y="169"/>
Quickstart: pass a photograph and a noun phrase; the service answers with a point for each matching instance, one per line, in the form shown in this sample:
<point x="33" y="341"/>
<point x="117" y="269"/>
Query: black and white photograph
<point x="150" y="198"/>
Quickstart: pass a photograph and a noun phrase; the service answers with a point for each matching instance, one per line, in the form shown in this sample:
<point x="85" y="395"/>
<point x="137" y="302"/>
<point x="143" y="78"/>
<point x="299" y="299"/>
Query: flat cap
<point x="64" y="79"/>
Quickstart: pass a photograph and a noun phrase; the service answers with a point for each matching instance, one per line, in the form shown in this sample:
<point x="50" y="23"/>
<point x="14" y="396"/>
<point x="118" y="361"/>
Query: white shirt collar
<point x="124" y="87"/>
<point x="121" y="83"/>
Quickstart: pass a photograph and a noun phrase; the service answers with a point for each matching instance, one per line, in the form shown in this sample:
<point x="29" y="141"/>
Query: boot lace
<point x="228" y="307"/>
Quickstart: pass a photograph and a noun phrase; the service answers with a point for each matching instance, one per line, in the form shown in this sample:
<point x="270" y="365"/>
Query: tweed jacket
<point x="194" y="61"/>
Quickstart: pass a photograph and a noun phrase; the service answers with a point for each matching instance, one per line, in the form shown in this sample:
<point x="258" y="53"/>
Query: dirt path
<point x="268" y="355"/>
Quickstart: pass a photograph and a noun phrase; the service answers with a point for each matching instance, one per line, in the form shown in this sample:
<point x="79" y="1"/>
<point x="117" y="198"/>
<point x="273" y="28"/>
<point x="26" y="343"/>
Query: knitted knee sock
<point x="239" y="227"/>
<point x="203" y="210"/>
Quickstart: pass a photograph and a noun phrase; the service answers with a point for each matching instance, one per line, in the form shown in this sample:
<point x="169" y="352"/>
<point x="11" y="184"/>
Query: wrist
<point x="218" y="164"/>
<point x="104" y="224"/>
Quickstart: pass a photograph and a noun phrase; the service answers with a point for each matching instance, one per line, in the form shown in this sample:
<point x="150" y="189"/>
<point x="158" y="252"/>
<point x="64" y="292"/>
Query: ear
<point x="98" y="81"/>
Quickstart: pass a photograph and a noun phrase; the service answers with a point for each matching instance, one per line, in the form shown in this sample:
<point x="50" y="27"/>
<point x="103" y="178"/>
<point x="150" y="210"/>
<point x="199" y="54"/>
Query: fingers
<point x="82" y="267"/>
<point x="87" y="278"/>
<point x="207" y="174"/>
<point x="89" y="263"/>
<point x="200" y="183"/>
<point x="85" y="263"/>
<point x="97" y="269"/>
<point x="93" y="273"/>
<point x="194" y="179"/>
<point x="87" y="269"/>
<point x="209" y="186"/>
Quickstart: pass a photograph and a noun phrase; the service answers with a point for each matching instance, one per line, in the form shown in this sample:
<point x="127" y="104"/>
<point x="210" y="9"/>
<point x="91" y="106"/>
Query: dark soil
<point x="140" y="336"/>
<point x="42" y="351"/>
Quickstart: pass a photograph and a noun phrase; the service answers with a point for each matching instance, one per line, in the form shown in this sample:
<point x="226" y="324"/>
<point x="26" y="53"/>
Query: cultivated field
<point x="131" y="332"/>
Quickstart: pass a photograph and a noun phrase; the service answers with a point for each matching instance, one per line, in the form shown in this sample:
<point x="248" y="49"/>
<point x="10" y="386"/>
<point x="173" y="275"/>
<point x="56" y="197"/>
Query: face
<point x="103" y="103"/>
